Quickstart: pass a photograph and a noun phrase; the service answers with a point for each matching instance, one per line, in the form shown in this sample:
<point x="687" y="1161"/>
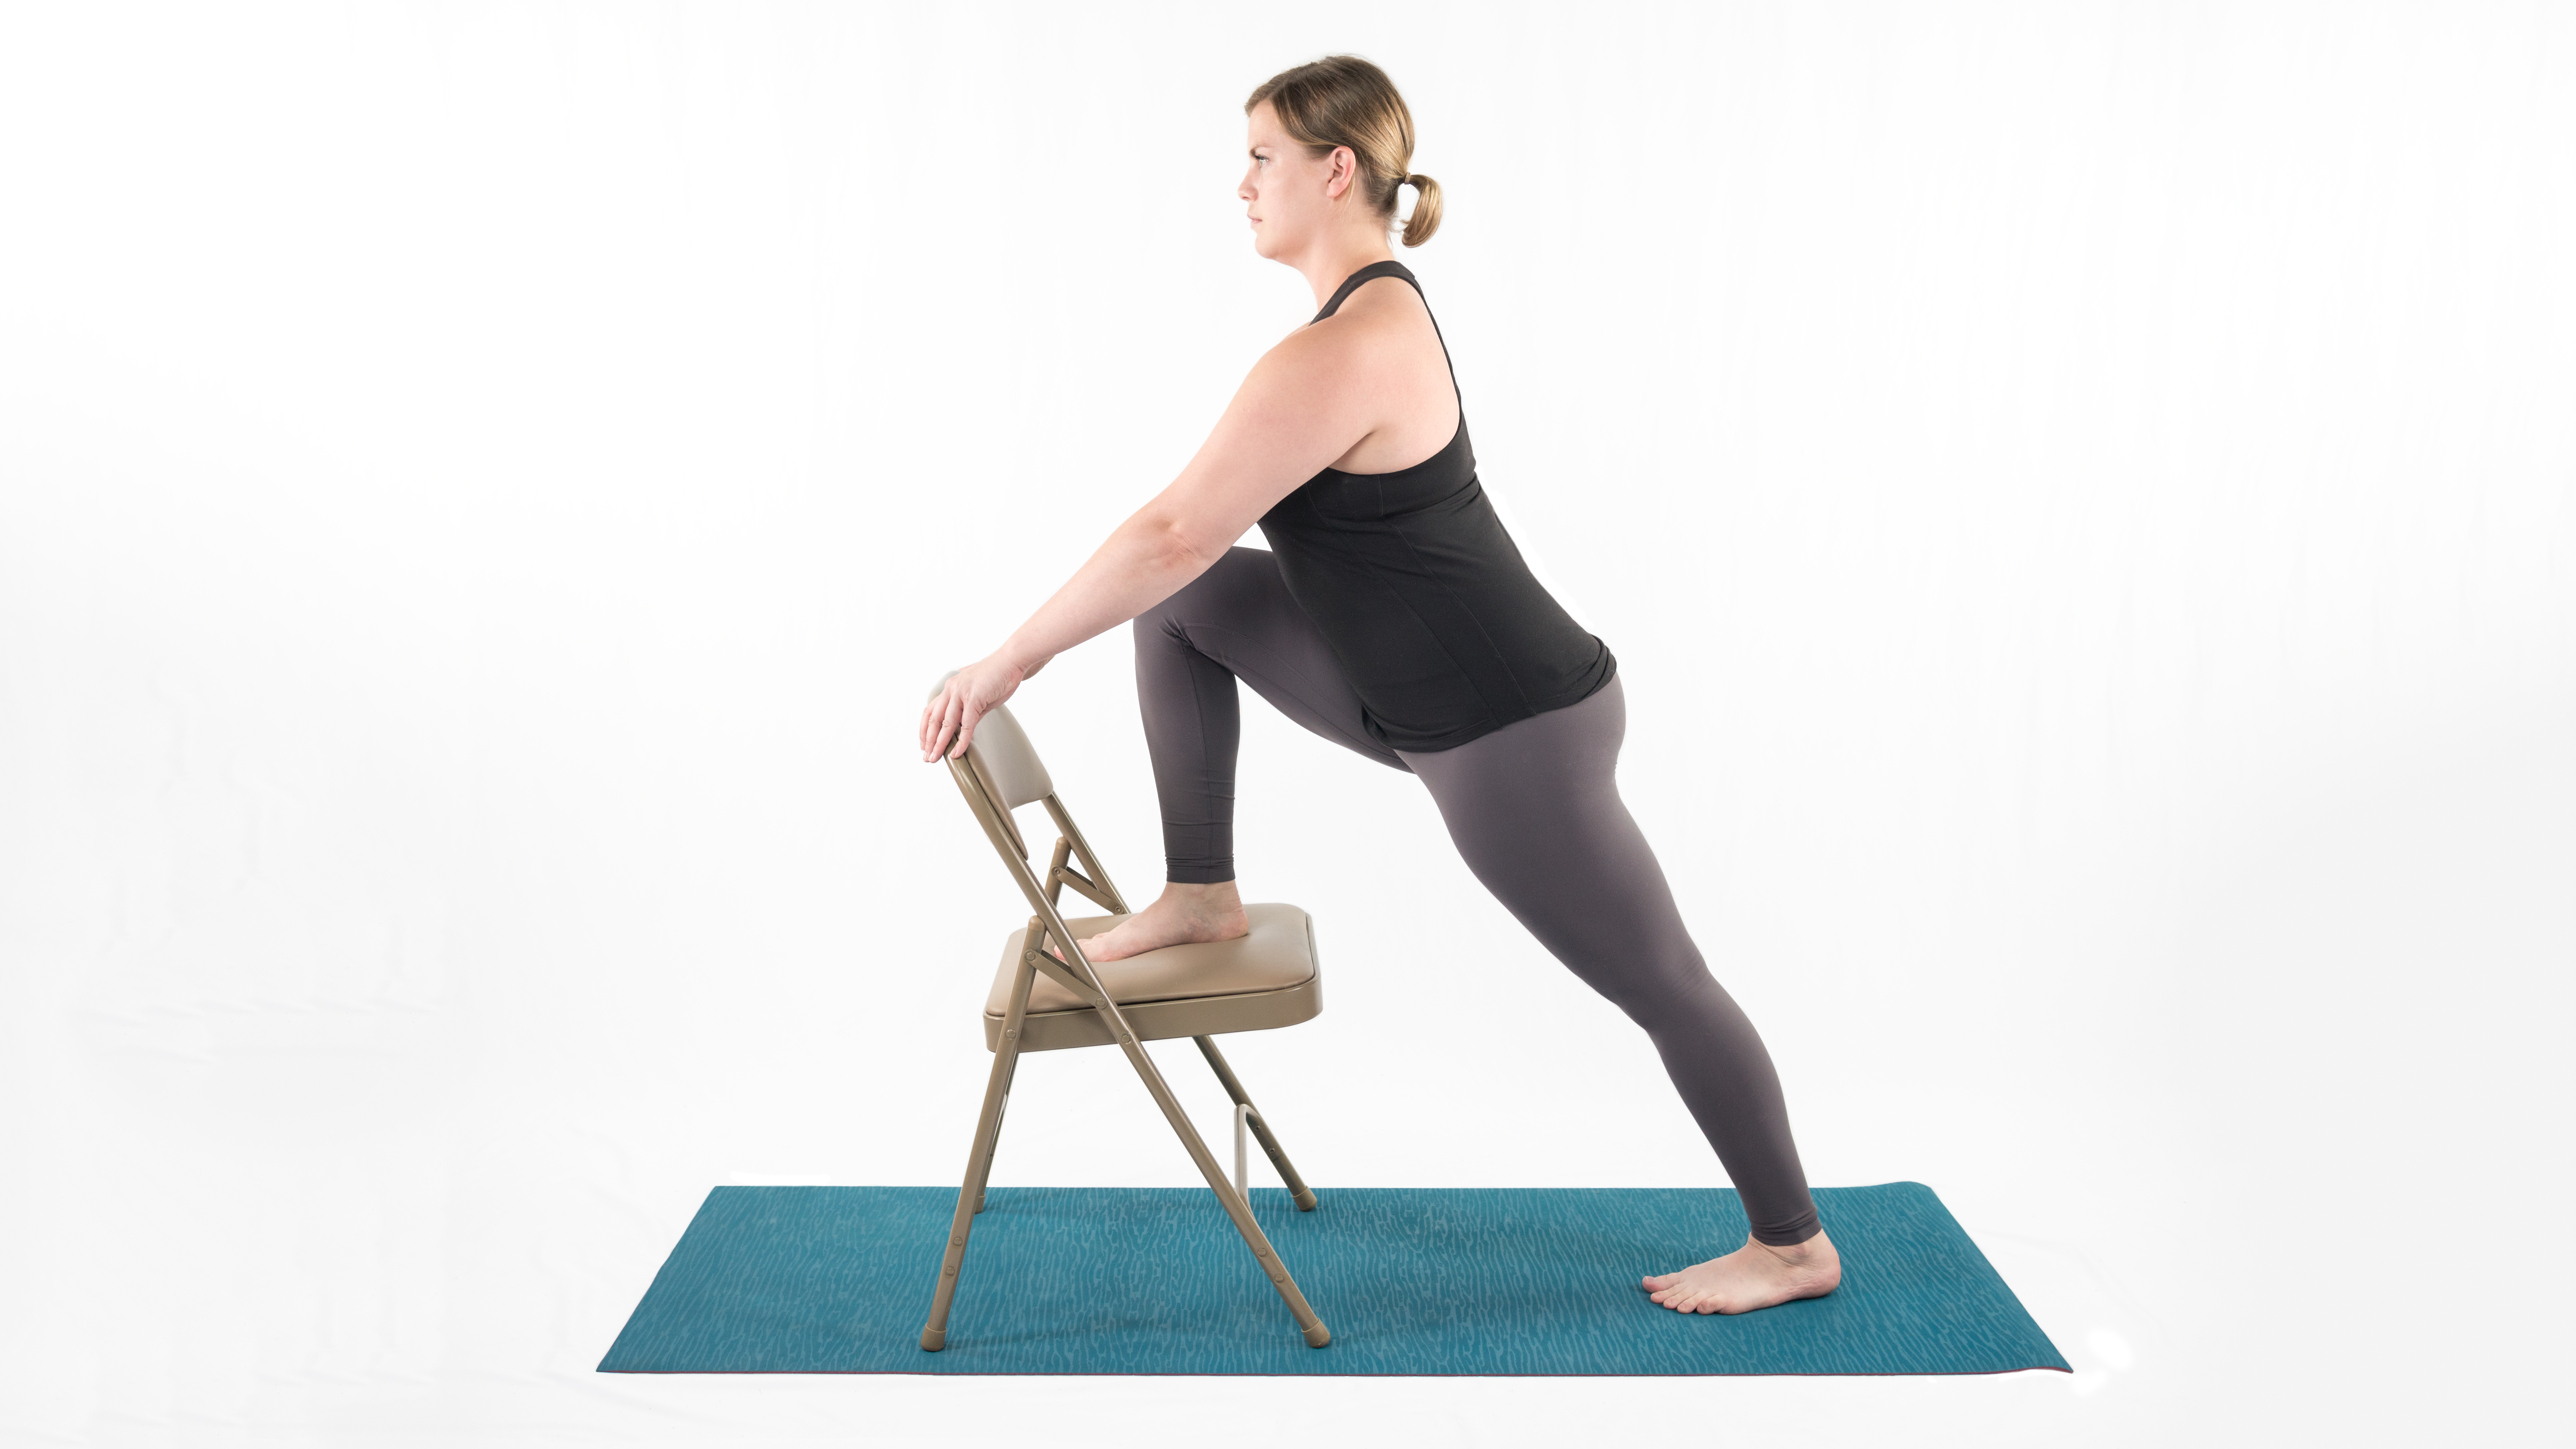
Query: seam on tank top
<point x="1398" y="529"/>
<point x="1415" y="554"/>
<point x="1433" y="635"/>
<point x="1500" y="658"/>
<point x="1493" y="719"/>
<point x="1455" y="434"/>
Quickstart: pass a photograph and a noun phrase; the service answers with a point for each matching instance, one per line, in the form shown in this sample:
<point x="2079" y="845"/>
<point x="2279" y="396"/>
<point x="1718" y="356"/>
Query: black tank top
<point x="1423" y="597"/>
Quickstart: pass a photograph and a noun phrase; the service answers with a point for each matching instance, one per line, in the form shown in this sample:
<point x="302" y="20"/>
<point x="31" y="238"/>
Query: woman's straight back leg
<point x="1535" y="810"/>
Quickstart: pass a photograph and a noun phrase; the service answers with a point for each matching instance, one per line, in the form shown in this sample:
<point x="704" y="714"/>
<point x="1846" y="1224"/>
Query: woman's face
<point x="1291" y="198"/>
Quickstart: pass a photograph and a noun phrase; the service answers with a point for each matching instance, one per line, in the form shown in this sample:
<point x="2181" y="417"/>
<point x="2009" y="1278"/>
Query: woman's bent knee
<point x="1203" y="598"/>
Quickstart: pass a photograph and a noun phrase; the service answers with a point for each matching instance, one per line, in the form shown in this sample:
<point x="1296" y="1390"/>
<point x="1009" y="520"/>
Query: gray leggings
<point x="1533" y="807"/>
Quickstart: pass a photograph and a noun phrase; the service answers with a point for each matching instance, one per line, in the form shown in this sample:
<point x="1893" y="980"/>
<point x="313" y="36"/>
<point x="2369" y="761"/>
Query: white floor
<point x="2081" y="498"/>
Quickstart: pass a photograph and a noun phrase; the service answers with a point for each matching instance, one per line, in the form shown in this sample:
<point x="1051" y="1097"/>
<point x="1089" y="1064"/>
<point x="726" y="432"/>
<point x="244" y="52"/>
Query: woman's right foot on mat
<point x="1184" y="913"/>
<point x="1756" y="1275"/>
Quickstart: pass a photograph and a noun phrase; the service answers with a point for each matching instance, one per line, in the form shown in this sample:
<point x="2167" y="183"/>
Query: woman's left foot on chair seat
<point x="1756" y="1275"/>
<point x="1183" y="913"/>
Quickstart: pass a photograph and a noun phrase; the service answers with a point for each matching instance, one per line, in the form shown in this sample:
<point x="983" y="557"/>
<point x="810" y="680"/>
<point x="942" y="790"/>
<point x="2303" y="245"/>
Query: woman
<point x="1393" y="615"/>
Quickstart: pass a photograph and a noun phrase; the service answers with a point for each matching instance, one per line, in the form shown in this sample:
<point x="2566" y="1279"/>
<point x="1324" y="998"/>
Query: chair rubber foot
<point x="1318" y="1336"/>
<point x="933" y="1339"/>
<point x="1306" y="1201"/>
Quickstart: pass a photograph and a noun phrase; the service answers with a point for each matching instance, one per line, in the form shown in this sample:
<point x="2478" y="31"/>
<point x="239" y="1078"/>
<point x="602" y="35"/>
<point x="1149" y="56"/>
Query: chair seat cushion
<point x="1265" y="978"/>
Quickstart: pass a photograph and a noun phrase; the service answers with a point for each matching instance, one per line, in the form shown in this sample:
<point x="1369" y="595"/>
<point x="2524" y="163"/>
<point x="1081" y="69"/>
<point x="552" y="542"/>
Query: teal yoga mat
<point x="1064" y="1280"/>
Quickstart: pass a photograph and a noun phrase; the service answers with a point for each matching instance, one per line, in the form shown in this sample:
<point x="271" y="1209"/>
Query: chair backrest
<point x="1004" y="762"/>
<point x="1003" y="767"/>
<point x="1010" y="764"/>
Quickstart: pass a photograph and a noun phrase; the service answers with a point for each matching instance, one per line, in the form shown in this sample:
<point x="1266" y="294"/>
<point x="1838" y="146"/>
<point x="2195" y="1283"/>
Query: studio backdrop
<point x="2080" y="497"/>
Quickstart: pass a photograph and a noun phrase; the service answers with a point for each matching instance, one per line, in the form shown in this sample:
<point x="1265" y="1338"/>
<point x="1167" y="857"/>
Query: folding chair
<point x="1039" y="1002"/>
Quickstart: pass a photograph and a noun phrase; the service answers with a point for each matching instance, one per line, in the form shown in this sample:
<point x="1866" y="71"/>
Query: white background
<point x="2081" y="495"/>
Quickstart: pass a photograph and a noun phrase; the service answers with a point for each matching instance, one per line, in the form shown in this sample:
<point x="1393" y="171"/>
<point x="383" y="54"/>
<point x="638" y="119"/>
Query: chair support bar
<point x="1242" y="1171"/>
<point x="1298" y="1191"/>
<point x="1103" y="893"/>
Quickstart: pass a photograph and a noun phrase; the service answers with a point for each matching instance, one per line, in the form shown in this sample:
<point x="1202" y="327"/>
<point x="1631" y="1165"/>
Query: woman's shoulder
<point x="1382" y="323"/>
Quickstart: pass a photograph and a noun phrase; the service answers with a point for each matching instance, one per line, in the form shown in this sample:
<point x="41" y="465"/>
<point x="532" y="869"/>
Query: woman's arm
<point x="1306" y="403"/>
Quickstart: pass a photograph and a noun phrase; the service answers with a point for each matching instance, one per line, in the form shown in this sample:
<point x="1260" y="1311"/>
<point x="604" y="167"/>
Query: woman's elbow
<point x="1185" y="545"/>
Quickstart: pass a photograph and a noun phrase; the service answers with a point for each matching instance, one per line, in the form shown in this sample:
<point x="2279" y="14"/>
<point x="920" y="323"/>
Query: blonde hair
<point x="1343" y="100"/>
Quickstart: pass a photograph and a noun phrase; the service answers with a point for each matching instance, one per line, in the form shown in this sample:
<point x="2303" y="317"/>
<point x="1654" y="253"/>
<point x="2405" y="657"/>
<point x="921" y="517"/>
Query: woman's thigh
<point x="1534" y="809"/>
<point x="1240" y="615"/>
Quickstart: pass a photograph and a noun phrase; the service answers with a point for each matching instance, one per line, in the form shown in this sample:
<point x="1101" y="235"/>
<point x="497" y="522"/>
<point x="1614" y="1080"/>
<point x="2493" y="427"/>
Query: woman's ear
<point x="1346" y="172"/>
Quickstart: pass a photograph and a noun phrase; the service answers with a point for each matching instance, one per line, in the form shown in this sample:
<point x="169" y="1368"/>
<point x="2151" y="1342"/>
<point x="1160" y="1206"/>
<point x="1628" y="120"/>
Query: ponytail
<point x="1426" y="210"/>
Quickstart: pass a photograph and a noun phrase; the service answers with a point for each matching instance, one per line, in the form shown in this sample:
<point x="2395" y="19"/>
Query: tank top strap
<point x="1394" y="268"/>
<point x="1370" y="273"/>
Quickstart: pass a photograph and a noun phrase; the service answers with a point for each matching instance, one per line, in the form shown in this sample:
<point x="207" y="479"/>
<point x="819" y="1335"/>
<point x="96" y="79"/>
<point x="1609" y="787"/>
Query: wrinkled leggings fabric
<point x="1533" y="807"/>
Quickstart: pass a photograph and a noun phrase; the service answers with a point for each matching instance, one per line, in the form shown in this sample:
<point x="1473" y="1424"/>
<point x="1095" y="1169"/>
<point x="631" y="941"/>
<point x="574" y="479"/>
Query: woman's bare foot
<point x="1756" y="1275"/>
<point x="1184" y="913"/>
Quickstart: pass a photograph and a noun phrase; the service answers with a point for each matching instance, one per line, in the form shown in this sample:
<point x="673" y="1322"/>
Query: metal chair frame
<point x="1074" y="972"/>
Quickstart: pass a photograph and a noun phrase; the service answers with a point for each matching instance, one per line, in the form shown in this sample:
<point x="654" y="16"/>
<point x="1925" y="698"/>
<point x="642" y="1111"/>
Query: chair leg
<point x="1236" y="1207"/>
<point x="1087" y="986"/>
<point x="999" y="1114"/>
<point x="979" y="1163"/>
<point x="1298" y="1191"/>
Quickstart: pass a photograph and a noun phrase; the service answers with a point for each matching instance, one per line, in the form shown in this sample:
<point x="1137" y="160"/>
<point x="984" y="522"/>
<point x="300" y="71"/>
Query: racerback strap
<point x="1394" y="268"/>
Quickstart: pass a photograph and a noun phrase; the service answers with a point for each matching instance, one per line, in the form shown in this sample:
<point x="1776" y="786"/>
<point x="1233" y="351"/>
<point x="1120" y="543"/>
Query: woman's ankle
<point x="1216" y="906"/>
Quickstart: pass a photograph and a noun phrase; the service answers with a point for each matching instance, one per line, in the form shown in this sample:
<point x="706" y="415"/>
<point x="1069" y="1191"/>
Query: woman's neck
<point x="1328" y="266"/>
